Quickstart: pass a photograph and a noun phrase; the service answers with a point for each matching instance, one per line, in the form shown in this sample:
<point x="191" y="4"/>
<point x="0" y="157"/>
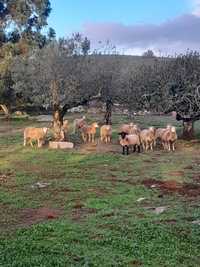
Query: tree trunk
<point x="188" y="130"/>
<point x="57" y="123"/>
<point x="57" y="116"/>
<point x="108" y="114"/>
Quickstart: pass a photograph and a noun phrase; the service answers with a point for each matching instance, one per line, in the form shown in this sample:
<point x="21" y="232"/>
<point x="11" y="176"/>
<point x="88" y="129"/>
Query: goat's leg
<point x="31" y="143"/>
<point x="134" y="148"/>
<point x="83" y="137"/>
<point x="38" y="142"/>
<point x="152" y="146"/>
<point x="163" y="144"/>
<point x="143" y="146"/>
<point x="127" y="150"/>
<point x="168" y="146"/>
<point x="173" y="147"/>
<point x="146" y="146"/>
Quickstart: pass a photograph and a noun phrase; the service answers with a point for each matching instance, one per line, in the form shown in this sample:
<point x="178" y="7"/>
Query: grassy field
<point x="98" y="207"/>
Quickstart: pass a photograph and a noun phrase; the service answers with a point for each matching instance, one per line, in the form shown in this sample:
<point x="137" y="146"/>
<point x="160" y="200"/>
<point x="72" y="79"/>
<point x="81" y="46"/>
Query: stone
<point x="141" y="199"/>
<point x="61" y="145"/>
<point x="40" y="185"/>
<point x="196" y="222"/>
<point x="159" y="210"/>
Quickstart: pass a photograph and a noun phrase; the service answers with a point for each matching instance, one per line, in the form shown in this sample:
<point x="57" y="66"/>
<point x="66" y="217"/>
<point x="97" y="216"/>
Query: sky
<point x="134" y="26"/>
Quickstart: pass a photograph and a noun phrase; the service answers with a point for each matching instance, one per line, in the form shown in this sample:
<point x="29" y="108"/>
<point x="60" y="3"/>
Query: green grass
<point x="100" y="221"/>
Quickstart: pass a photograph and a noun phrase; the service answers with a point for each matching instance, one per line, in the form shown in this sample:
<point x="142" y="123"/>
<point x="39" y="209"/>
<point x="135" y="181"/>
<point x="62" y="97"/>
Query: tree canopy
<point x="21" y="23"/>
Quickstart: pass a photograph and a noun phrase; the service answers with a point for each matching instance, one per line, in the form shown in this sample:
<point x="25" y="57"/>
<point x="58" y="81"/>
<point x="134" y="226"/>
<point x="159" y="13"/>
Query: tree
<point x="51" y="34"/>
<point x="170" y="84"/>
<point x="149" y="53"/>
<point x="184" y="94"/>
<point x="54" y="77"/>
<point x="20" y="28"/>
<point x="108" y="82"/>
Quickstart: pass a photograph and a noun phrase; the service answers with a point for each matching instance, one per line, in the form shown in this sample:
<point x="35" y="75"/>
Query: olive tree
<point x="21" y="23"/>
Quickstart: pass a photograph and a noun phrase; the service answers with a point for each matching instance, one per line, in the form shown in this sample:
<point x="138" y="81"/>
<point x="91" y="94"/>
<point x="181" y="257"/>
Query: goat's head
<point x="123" y="135"/>
<point x="45" y="130"/>
<point x="95" y="125"/>
<point x="173" y="129"/>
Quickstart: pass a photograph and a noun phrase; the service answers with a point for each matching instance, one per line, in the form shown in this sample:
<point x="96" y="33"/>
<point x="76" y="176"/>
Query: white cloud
<point x="175" y="35"/>
<point x="195" y="7"/>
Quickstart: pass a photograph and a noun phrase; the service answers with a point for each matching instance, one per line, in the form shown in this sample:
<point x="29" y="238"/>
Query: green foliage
<point x="27" y="19"/>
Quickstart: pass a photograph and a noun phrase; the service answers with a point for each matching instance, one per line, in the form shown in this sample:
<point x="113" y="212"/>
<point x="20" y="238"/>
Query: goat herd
<point x="131" y="137"/>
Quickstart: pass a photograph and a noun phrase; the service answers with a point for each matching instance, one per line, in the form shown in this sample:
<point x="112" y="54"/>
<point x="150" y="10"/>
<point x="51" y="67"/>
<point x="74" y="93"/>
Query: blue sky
<point x="166" y="26"/>
<point x="70" y="16"/>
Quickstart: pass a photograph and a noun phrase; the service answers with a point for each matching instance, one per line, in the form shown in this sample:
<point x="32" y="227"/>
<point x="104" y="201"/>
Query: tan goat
<point x="37" y="134"/>
<point x="159" y="133"/>
<point x="106" y="133"/>
<point x="147" y="137"/>
<point x="128" y="141"/>
<point x="169" y="138"/>
<point x="88" y="132"/>
<point x="64" y="130"/>
<point x="79" y="123"/>
<point x="130" y="128"/>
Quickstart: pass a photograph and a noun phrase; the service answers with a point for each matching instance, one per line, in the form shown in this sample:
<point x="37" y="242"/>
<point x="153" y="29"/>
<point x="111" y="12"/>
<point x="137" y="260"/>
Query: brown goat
<point x="106" y="133"/>
<point x="88" y="132"/>
<point x="37" y="134"/>
<point x="148" y="138"/>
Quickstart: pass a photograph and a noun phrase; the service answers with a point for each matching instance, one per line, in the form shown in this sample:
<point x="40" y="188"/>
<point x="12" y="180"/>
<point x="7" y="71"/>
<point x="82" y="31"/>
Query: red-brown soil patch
<point x="167" y="187"/>
<point x="34" y="216"/>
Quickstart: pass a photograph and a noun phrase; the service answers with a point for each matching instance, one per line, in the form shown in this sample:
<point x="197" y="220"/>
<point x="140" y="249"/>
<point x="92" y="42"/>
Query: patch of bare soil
<point x="167" y="187"/>
<point x="80" y="212"/>
<point x="99" y="147"/>
<point x="34" y="216"/>
<point x="31" y="168"/>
